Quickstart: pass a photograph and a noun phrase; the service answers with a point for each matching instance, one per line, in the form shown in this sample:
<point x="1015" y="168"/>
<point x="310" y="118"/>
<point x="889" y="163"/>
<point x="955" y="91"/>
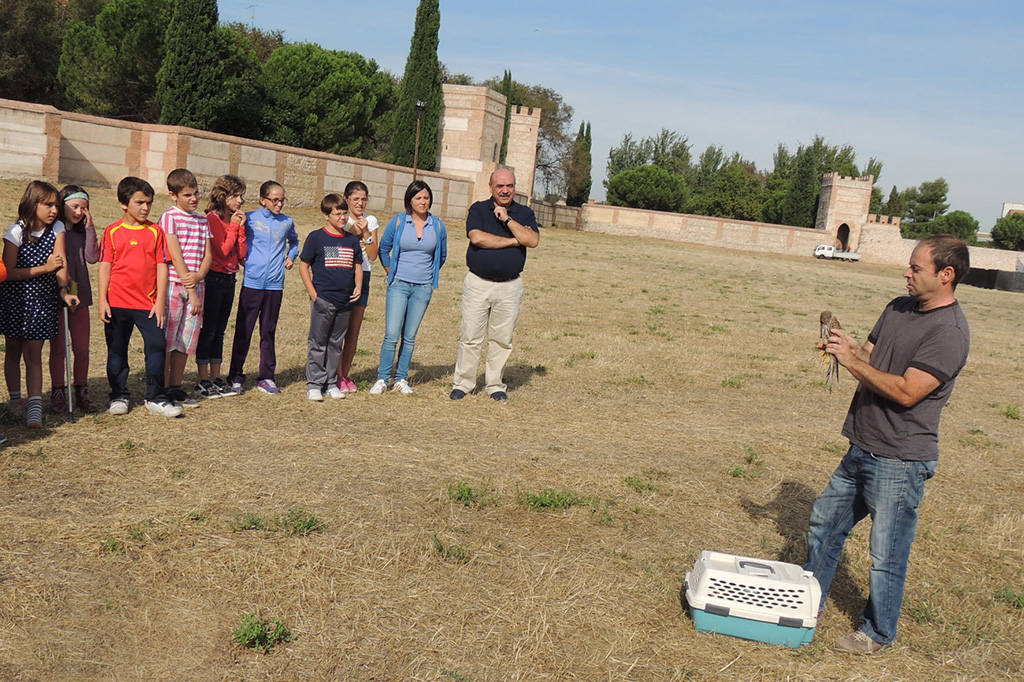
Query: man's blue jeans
<point x="406" y="305"/>
<point x="888" y="490"/>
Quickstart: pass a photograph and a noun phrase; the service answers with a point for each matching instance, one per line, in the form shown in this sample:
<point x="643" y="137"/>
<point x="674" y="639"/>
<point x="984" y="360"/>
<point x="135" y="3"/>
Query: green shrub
<point x="298" y="521"/>
<point x="552" y="499"/>
<point x="259" y="634"/>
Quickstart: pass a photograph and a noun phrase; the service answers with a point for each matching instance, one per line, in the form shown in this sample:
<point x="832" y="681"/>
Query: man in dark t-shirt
<point x="906" y="372"/>
<point x="500" y="231"/>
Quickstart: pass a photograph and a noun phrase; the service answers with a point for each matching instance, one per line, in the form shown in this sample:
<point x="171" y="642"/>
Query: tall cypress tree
<point x="577" y="180"/>
<point x="422" y="82"/>
<point x="799" y="205"/>
<point x="192" y="75"/>
<point x="506" y="89"/>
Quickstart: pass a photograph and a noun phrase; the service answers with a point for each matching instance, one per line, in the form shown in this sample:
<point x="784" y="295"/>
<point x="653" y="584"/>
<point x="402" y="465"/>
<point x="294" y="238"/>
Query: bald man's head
<point x="503" y="186"/>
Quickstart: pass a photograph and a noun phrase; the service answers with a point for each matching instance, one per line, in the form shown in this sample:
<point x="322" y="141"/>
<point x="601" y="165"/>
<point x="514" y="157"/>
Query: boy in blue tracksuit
<point x="273" y="247"/>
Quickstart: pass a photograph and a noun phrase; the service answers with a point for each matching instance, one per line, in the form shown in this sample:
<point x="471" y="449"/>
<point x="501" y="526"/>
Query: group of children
<point x="174" y="281"/>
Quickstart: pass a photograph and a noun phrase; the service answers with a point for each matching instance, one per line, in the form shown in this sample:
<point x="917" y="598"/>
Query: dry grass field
<point x="674" y="389"/>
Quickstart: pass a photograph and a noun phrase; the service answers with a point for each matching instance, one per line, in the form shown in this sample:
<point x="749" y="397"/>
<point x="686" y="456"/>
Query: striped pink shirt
<point x="192" y="230"/>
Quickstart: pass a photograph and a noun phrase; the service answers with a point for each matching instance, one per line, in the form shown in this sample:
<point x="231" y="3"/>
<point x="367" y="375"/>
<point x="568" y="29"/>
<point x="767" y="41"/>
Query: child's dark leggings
<point x="253" y="304"/>
<point x="220" y="296"/>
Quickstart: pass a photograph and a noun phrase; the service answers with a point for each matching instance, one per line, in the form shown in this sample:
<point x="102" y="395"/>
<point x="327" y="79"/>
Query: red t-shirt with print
<point x="133" y="252"/>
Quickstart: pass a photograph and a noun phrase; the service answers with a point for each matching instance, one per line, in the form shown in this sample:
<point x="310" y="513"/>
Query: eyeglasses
<point x="275" y="201"/>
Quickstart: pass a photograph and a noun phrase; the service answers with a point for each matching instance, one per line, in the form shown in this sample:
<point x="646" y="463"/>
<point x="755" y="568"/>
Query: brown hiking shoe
<point x="59" y="399"/>
<point x="82" y="400"/>
<point x="858" y="642"/>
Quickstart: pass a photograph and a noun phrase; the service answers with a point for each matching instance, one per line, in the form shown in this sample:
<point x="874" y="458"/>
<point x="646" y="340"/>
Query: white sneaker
<point x="163" y="407"/>
<point x="380" y="387"/>
<point x="403" y="387"/>
<point x="315" y="394"/>
<point x="335" y="392"/>
<point x="118" y="406"/>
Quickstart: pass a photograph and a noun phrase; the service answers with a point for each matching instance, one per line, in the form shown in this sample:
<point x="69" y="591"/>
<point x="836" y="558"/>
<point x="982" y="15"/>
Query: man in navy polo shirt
<point x="500" y="231"/>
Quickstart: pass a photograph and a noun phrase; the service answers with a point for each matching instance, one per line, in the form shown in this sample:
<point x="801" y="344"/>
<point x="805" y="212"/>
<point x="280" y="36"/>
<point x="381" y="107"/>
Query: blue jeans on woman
<point x="406" y="305"/>
<point x="889" y="490"/>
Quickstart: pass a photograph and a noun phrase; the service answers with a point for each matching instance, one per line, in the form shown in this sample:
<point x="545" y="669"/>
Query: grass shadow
<point x="791" y="512"/>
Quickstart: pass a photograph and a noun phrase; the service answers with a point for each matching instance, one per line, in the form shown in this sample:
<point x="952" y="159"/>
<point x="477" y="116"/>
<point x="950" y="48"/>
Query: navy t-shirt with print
<point x="332" y="262"/>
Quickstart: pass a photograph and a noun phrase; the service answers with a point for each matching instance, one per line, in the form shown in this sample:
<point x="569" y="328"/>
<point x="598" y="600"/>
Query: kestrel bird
<point x="828" y="323"/>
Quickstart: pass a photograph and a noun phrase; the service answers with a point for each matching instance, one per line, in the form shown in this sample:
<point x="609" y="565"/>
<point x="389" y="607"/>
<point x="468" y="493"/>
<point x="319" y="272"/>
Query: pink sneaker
<point x="347" y="385"/>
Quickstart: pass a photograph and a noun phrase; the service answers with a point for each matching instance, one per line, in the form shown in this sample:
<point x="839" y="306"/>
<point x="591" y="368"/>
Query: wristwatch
<point x="506" y="221"/>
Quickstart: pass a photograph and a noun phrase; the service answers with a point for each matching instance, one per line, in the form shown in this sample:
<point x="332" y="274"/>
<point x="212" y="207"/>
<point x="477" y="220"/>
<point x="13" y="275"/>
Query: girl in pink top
<point x="227" y="225"/>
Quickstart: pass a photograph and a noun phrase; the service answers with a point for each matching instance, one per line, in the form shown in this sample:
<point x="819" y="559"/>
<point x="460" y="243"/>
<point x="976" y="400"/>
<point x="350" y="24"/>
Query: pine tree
<point x="192" y="74"/>
<point x="422" y="82"/>
<point x="506" y="89"/>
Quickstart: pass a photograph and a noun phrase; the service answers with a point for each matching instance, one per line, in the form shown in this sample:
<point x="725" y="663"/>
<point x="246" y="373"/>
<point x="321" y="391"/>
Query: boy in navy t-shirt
<point x="331" y="270"/>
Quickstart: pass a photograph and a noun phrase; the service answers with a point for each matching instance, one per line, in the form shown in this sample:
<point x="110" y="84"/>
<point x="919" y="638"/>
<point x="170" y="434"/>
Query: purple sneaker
<point x="268" y="386"/>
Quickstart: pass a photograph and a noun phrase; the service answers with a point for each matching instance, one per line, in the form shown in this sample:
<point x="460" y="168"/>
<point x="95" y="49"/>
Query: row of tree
<point x="173" y="62"/>
<point x="659" y="173"/>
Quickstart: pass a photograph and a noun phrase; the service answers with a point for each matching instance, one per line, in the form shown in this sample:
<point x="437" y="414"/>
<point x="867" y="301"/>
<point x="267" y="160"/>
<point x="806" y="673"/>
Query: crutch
<point x="67" y="366"/>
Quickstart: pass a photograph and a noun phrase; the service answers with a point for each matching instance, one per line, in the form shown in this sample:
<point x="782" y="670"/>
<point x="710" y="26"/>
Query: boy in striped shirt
<point x="188" y="248"/>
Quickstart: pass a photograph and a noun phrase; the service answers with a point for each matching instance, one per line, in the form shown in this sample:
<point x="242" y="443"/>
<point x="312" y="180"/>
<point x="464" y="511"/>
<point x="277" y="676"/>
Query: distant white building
<point x="1012" y="208"/>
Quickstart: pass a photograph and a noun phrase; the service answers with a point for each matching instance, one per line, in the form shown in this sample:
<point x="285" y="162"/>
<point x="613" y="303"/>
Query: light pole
<point x="420" y="106"/>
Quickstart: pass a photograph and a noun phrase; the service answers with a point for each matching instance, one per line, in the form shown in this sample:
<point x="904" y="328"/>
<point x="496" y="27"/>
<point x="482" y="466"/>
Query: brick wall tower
<point x="524" y="127"/>
<point x="843" y="208"/>
<point x="472" y="124"/>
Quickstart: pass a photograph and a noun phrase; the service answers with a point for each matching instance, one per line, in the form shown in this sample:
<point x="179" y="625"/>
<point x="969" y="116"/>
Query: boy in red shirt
<point x="133" y="293"/>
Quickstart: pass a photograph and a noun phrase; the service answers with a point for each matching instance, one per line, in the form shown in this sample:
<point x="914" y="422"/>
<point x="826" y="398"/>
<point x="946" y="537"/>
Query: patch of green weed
<point x="925" y="612"/>
<point x="646" y="481"/>
<point x="129" y="445"/>
<point x="456" y="553"/>
<point x="1012" y="411"/>
<point x="111" y="545"/>
<point x="298" y="521"/>
<point x="260" y="634"/>
<point x="146" y="532"/>
<point x="461" y="491"/>
<point x="244" y="522"/>
<point x="550" y="498"/>
<point x="1007" y="595"/>
<point x="37" y="454"/>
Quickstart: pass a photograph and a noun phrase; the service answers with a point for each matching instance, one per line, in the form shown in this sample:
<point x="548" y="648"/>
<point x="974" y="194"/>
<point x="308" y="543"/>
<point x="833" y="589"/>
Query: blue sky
<point x="932" y="89"/>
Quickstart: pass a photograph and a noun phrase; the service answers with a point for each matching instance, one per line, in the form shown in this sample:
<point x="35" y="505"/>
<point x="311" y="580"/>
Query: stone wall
<point x="42" y="142"/>
<point x="881" y="242"/>
<point x="735" y="234"/>
<point x="29" y="140"/>
<point x="556" y="215"/>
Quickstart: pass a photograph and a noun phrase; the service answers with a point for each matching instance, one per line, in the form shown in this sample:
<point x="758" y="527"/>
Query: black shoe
<point x="207" y="389"/>
<point x="224" y="388"/>
<point x="457" y="394"/>
<point x="180" y="398"/>
<point x="500" y="396"/>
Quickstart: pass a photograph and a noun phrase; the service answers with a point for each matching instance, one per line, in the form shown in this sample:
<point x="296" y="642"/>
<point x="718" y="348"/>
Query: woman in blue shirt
<point x="412" y="251"/>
